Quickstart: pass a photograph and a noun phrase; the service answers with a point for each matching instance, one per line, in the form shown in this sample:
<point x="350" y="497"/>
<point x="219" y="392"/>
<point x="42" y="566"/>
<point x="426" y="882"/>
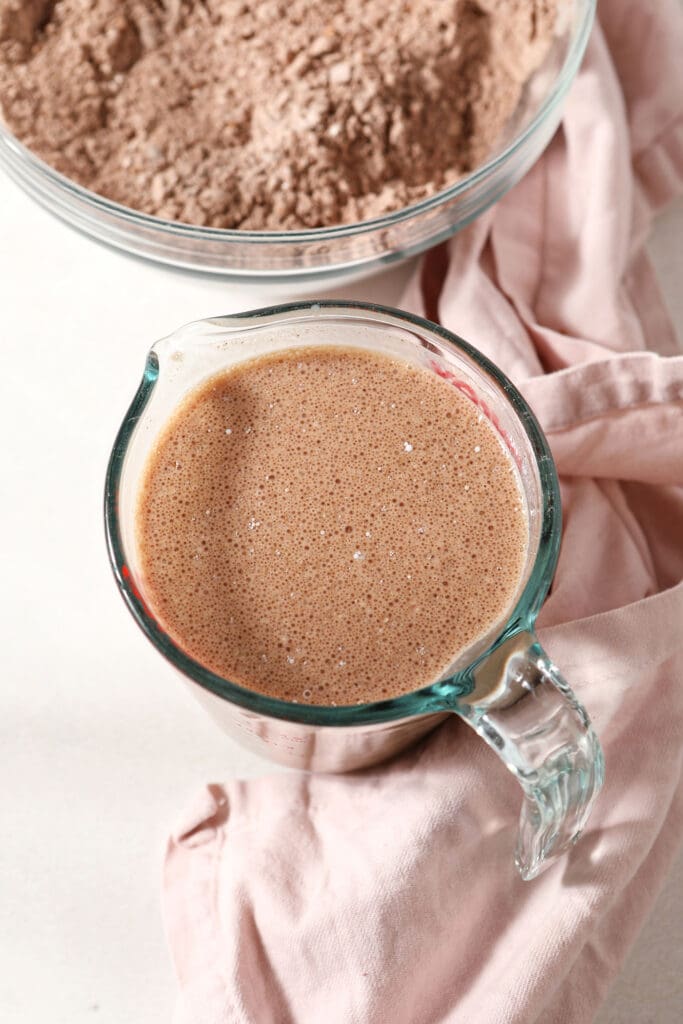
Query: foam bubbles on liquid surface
<point x="330" y="568"/>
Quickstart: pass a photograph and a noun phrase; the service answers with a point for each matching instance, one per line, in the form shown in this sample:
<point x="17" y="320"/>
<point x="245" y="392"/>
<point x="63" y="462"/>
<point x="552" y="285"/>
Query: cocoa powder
<point x="266" y="114"/>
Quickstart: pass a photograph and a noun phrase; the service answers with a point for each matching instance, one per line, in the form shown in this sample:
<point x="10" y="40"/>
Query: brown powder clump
<point x="266" y="114"/>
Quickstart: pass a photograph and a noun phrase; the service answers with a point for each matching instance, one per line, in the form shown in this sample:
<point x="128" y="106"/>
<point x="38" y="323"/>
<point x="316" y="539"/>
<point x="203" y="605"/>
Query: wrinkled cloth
<point x="391" y="895"/>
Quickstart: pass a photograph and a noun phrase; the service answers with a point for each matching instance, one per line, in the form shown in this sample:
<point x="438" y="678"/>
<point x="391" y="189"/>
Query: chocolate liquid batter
<point x="329" y="526"/>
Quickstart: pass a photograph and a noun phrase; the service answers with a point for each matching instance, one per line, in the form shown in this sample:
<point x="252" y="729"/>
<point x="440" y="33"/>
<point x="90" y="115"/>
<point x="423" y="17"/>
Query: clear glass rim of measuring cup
<point x="435" y="697"/>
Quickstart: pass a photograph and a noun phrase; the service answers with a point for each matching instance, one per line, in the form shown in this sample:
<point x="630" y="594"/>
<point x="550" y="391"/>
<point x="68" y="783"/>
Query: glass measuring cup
<point x="504" y="686"/>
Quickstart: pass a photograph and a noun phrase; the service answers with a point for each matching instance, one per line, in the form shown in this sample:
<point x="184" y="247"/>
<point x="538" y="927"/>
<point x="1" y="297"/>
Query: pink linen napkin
<point x="391" y="896"/>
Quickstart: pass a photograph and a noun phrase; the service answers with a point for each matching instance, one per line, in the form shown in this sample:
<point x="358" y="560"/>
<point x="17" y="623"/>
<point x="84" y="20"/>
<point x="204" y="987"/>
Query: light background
<point x="100" y="747"/>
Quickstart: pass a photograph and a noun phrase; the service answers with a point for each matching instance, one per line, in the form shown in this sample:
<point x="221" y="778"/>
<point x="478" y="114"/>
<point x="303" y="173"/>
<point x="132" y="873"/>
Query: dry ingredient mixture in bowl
<point x="266" y="115"/>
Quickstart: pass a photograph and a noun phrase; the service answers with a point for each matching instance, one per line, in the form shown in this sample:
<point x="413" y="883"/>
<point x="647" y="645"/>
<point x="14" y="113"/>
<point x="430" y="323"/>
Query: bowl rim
<point x="195" y="232"/>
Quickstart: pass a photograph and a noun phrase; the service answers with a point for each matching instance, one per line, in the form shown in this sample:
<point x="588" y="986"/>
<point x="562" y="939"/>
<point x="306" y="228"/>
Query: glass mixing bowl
<point x="351" y="249"/>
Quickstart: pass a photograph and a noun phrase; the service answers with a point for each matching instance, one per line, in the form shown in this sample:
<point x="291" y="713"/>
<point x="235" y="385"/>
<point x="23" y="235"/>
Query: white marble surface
<point x="99" y="745"/>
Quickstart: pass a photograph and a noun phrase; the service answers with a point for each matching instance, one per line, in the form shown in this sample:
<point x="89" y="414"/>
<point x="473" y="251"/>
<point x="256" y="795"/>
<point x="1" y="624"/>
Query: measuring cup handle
<point x="524" y="709"/>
